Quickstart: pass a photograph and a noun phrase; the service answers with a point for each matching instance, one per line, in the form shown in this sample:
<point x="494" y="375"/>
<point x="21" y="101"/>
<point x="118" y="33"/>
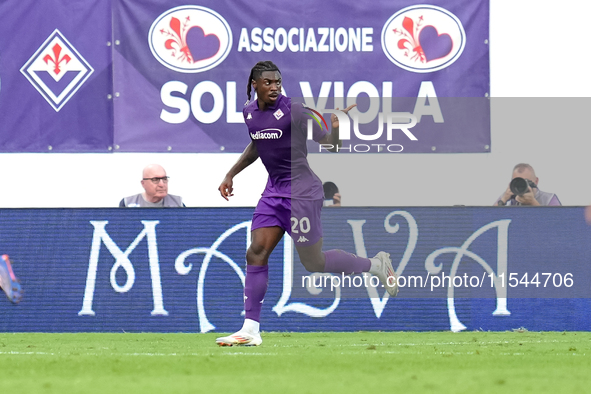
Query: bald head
<point x="153" y="170"/>
<point x="155" y="183"/>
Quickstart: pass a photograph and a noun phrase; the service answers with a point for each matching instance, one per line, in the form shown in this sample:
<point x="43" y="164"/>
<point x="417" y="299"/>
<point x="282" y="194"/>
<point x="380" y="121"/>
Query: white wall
<point x="539" y="48"/>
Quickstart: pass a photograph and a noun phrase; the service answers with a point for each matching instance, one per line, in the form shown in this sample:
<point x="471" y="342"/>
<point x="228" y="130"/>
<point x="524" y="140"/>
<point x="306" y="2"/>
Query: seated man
<point x="533" y="196"/>
<point x="155" y="195"/>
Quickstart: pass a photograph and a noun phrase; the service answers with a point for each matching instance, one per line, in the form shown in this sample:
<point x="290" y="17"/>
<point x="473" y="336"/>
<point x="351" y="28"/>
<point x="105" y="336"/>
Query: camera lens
<point x="518" y="186"/>
<point x="330" y="189"/>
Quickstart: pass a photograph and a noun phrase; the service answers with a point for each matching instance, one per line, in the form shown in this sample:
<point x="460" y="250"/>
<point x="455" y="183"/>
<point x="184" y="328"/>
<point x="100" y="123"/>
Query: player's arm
<point x="247" y="157"/>
<point x="332" y="138"/>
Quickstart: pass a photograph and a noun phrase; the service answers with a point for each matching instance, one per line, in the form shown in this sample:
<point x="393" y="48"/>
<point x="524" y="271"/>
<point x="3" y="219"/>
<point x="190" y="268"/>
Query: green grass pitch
<point x="359" y="362"/>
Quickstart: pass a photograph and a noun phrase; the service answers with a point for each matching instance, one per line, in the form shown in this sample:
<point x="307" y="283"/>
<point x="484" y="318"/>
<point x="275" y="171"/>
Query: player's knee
<point x="257" y="255"/>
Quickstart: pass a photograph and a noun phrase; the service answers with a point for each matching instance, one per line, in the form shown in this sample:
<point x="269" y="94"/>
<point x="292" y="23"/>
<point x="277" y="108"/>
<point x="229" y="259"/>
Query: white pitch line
<point x="253" y="354"/>
<point x="16" y="353"/>
<point x="379" y="347"/>
<point x="29" y="353"/>
<point x="433" y="344"/>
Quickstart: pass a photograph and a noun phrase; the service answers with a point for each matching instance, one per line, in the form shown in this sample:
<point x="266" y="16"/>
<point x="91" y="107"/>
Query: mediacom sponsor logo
<point x="190" y="39"/>
<point x="423" y="38"/>
<point x="267" y="134"/>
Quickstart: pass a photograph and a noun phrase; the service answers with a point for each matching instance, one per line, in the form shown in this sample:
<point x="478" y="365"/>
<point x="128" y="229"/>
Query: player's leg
<point x="8" y="281"/>
<point x="306" y="220"/>
<point x="264" y="241"/>
<point x="333" y="261"/>
<point x="269" y="222"/>
<point x="338" y="261"/>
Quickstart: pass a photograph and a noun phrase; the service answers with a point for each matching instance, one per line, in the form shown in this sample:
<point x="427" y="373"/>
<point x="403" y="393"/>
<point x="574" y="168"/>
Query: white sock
<point x="376" y="266"/>
<point x="251" y="326"/>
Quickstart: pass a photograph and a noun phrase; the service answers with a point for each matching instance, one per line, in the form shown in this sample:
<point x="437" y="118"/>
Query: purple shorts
<point x="300" y="218"/>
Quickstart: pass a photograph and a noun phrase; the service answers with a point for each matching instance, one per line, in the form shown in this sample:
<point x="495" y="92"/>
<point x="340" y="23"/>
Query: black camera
<point x="330" y="189"/>
<point x="519" y="186"/>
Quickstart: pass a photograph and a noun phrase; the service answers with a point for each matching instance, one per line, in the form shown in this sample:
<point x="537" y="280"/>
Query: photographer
<point x="523" y="190"/>
<point x="332" y="197"/>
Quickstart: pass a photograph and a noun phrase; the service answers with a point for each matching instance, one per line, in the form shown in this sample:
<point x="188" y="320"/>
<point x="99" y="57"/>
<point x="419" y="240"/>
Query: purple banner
<point x="55" y="76"/>
<point x="184" y="86"/>
<point x="153" y="76"/>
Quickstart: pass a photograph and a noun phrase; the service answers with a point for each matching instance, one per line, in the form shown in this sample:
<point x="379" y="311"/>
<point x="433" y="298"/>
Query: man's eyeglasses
<point x="157" y="180"/>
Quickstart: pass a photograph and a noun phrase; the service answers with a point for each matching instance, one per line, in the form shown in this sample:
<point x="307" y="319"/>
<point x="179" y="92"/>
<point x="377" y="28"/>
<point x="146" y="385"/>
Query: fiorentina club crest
<point x="190" y="39"/>
<point x="57" y="70"/>
<point x="423" y="38"/>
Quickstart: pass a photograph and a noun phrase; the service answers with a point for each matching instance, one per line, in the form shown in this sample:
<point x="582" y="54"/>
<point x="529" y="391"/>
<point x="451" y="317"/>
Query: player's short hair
<point x="256" y="73"/>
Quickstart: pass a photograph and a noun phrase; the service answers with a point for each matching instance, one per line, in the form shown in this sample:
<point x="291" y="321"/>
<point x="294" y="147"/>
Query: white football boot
<point x="240" y="338"/>
<point x="386" y="273"/>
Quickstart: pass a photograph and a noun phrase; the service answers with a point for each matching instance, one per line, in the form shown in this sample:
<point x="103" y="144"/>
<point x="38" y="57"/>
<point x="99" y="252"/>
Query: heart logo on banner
<point x="434" y="45"/>
<point x="200" y="45"/>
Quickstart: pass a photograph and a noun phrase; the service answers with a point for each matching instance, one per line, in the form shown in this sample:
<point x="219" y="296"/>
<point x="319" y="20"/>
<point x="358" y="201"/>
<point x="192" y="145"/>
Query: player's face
<point x="268" y="87"/>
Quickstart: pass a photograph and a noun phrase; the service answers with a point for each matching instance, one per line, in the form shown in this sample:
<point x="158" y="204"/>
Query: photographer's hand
<point x="336" y="200"/>
<point x="504" y="198"/>
<point x="528" y="198"/>
<point x="507" y="195"/>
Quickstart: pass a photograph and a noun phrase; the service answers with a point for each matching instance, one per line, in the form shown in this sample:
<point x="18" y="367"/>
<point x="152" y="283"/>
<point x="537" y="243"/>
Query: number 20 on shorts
<point x="302" y="225"/>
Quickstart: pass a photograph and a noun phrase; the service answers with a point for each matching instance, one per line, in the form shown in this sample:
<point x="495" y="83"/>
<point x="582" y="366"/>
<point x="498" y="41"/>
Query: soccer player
<point x="8" y="281"/>
<point x="292" y="199"/>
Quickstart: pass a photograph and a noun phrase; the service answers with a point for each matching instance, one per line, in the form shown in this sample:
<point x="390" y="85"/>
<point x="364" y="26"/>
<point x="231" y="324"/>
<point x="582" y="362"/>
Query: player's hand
<point x="226" y="188"/>
<point x="335" y="119"/>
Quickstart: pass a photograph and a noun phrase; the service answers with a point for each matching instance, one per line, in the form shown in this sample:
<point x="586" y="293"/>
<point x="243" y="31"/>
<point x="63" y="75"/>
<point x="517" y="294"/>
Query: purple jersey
<point x="279" y="134"/>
